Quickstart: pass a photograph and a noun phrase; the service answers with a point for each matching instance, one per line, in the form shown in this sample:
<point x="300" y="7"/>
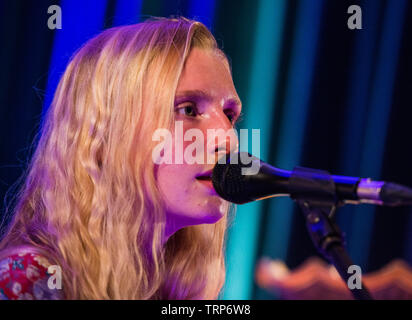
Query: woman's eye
<point x="189" y="111"/>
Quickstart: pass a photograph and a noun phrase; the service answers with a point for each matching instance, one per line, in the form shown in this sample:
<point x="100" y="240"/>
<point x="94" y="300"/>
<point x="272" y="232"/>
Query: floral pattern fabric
<point x="24" y="276"/>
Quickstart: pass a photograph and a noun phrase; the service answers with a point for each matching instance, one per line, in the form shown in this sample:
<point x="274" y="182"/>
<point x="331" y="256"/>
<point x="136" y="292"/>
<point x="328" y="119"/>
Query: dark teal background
<point x="322" y="95"/>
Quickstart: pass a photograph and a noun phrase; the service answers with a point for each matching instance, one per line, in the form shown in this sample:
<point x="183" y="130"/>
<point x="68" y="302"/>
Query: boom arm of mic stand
<point x="324" y="232"/>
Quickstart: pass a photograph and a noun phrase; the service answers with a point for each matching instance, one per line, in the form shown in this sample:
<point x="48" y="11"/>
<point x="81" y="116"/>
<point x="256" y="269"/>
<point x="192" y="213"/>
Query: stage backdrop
<point x="323" y="96"/>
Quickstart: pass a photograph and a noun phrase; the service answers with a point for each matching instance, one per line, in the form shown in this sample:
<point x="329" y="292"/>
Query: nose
<point x="221" y="139"/>
<point x="228" y="145"/>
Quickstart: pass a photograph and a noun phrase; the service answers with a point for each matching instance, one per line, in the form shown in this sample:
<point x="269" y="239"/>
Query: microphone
<point x="235" y="182"/>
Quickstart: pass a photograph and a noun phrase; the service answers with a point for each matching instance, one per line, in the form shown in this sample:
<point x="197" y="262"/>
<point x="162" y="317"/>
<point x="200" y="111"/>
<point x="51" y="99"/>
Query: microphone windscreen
<point x="228" y="180"/>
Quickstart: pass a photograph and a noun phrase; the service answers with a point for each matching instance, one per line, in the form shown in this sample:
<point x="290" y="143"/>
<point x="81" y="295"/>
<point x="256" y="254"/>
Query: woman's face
<point x="205" y="99"/>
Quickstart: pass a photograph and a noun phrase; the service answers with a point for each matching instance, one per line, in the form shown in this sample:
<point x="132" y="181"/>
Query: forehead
<point x="208" y="71"/>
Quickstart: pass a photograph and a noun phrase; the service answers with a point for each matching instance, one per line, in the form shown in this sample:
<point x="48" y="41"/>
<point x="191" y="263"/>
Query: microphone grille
<point x="228" y="180"/>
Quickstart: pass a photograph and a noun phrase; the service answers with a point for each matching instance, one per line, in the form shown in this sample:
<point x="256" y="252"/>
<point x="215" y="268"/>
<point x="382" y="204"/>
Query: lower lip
<point x="207" y="183"/>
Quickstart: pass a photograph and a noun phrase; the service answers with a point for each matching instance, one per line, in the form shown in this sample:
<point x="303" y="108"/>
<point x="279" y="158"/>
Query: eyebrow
<point x="199" y="95"/>
<point x="192" y="94"/>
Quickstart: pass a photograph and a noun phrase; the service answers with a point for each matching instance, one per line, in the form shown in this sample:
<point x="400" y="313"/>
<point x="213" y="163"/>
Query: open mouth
<point x="206" y="176"/>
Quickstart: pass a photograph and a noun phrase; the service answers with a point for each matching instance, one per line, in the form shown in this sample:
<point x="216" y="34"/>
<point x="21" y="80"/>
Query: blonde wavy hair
<point x="90" y="200"/>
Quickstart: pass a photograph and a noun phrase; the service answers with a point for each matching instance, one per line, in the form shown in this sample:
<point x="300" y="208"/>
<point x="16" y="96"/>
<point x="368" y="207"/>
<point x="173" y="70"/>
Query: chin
<point x="213" y="216"/>
<point x="210" y="219"/>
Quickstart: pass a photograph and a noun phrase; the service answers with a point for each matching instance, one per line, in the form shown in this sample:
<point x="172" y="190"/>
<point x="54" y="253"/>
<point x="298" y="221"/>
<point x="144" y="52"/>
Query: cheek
<point x="182" y="194"/>
<point x="195" y="147"/>
<point x="169" y="175"/>
<point x="176" y="184"/>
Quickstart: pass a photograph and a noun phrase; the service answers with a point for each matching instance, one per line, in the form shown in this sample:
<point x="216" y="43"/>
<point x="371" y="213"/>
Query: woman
<point x="95" y="204"/>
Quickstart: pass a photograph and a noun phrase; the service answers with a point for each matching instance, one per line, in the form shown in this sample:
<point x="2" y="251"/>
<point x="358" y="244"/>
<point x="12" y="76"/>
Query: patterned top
<point x="25" y="276"/>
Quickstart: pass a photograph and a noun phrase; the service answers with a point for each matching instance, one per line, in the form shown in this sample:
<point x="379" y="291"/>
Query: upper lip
<point x="205" y="174"/>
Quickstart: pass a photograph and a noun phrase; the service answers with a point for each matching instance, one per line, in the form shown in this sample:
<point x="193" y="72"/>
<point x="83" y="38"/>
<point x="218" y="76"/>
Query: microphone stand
<point x="318" y="211"/>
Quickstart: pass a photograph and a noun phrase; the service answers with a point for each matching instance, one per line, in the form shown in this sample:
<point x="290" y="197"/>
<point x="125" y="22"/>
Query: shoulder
<point x="24" y="275"/>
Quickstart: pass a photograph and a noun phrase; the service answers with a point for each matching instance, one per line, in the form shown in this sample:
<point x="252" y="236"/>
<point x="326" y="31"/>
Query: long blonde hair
<point x="90" y="198"/>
